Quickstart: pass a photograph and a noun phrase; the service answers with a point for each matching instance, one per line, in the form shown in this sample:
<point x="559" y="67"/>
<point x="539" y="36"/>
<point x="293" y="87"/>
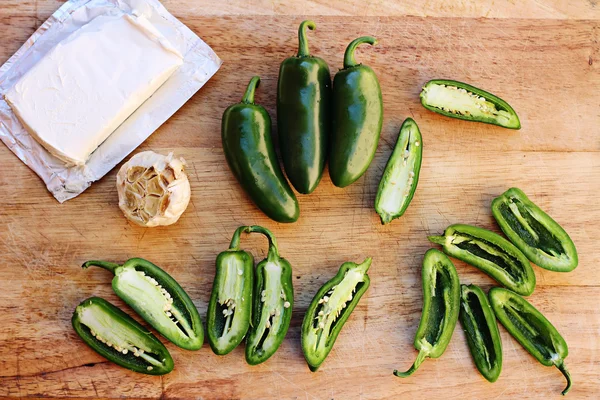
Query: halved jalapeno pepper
<point x="119" y="338"/>
<point x="330" y="309"/>
<point x="230" y="304"/>
<point x="460" y="100"/>
<point x="535" y="233"/>
<point x="491" y="253"/>
<point x="399" y="181"/>
<point x="441" y="302"/>
<point x="273" y="303"/>
<point x="158" y="299"/>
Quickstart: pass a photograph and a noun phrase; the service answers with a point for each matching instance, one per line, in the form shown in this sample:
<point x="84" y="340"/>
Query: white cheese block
<point x="89" y="83"/>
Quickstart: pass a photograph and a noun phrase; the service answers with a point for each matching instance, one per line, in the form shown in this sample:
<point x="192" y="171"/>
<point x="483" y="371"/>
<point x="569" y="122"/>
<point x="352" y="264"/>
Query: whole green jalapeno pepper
<point x="303" y="114"/>
<point x="535" y="233"/>
<point x="330" y="309"/>
<point x="273" y="303"/>
<point x="399" y="181"/>
<point x="491" y="253"/>
<point x="459" y="100"/>
<point x="481" y="329"/>
<point x="230" y="304"/>
<point x="535" y="333"/>
<point x="357" y="118"/>
<point x="158" y="299"/>
<point x="441" y="302"/>
<point x="119" y="338"/>
<point x="248" y="147"/>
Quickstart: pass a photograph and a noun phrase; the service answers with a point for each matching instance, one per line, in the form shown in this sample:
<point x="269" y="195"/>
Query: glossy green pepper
<point x="119" y="338"/>
<point x="246" y="136"/>
<point x="535" y="233"/>
<point x="357" y="118"/>
<point x="460" y="100"/>
<point x="273" y="303"/>
<point x="535" y="333"/>
<point x="230" y="304"/>
<point x="158" y="299"/>
<point x="303" y="114"/>
<point x="441" y="302"/>
<point x="330" y="309"/>
<point x="491" y="253"/>
<point x="399" y="181"/>
<point x="481" y="329"/>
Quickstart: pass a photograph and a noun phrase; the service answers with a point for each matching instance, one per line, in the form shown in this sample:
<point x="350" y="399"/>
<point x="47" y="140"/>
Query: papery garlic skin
<point x="153" y="189"/>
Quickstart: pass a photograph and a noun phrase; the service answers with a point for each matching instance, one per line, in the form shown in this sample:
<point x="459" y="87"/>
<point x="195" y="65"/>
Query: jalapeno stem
<point x="102" y="264"/>
<point x="437" y="239"/>
<point x="563" y="368"/>
<point x="235" y="240"/>
<point x="249" y="94"/>
<point x="420" y="358"/>
<point x="273" y="248"/>
<point x="349" y="60"/>
<point x="302" y="42"/>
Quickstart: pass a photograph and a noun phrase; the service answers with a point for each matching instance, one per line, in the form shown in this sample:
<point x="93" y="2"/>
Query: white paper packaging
<point x="200" y="63"/>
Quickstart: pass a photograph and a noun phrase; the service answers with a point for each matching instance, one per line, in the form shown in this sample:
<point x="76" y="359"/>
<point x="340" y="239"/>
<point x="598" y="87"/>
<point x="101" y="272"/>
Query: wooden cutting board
<point x="541" y="56"/>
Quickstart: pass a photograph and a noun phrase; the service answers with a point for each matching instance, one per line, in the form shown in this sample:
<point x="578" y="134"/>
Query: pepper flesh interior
<point x="157" y="301"/>
<point x="459" y="101"/>
<point x="115" y="333"/>
<point x="272" y="307"/>
<point x="229" y="296"/>
<point x="476" y="327"/>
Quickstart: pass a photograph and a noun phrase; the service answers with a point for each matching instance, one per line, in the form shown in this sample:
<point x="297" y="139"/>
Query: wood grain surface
<point x="542" y="56"/>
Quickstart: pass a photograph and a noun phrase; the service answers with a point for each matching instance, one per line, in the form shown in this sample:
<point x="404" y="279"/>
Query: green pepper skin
<point x="535" y="333"/>
<point x="158" y="299"/>
<point x="246" y="137"/>
<point x="481" y="329"/>
<point x="230" y="304"/>
<point x="303" y="115"/>
<point x="337" y="299"/>
<point x="401" y="176"/>
<point x="543" y="241"/>
<point x="491" y="253"/>
<point x="273" y="303"/>
<point x="502" y="114"/>
<point x="153" y="360"/>
<point x="441" y="303"/>
<point x="357" y="118"/>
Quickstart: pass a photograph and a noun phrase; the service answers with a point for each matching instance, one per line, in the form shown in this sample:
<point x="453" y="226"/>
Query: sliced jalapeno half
<point x="535" y="233"/>
<point x="330" y="309"/>
<point x="481" y="329"/>
<point x="273" y="303"/>
<point x="399" y="181"/>
<point x="119" y="338"/>
<point x="460" y="100"/>
<point x="158" y="299"/>
<point x="441" y="302"/>
<point x="535" y="333"/>
<point x="230" y="304"/>
<point x="491" y="253"/>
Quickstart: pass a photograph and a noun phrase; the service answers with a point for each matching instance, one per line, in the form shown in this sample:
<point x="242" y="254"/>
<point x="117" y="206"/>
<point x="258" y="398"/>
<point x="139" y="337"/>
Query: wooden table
<point x="543" y="56"/>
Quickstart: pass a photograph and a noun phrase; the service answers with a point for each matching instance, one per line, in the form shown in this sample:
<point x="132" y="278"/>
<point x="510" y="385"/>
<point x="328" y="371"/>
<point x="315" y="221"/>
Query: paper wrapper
<point x="200" y="63"/>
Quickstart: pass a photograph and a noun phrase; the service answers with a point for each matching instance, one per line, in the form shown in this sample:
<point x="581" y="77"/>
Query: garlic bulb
<point x="153" y="189"/>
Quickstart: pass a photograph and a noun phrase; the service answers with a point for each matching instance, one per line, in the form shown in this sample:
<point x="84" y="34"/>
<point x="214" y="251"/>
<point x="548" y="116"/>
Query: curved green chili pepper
<point x="535" y="333"/>
<point x="158" y="299"/>
<point x="481" y="329"/>
<point x="460" y="100"/>
<point x="230" y="304"/>
<point x="119" y="338"/>
<point x="330" y="309"/>
<point x="273" y="303"/>
<point x="303" y="114"/>
<point x="491" y="253"/>
<point x="399" y="181"/>
<point x="246" y="136"/>
<point x="535" y="233"/>
<point x="357" y="118"/>
<point x="441" y="302"/>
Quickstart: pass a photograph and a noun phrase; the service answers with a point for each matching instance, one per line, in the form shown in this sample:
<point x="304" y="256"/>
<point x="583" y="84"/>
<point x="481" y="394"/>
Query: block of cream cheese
<point x="89" y="83"/>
